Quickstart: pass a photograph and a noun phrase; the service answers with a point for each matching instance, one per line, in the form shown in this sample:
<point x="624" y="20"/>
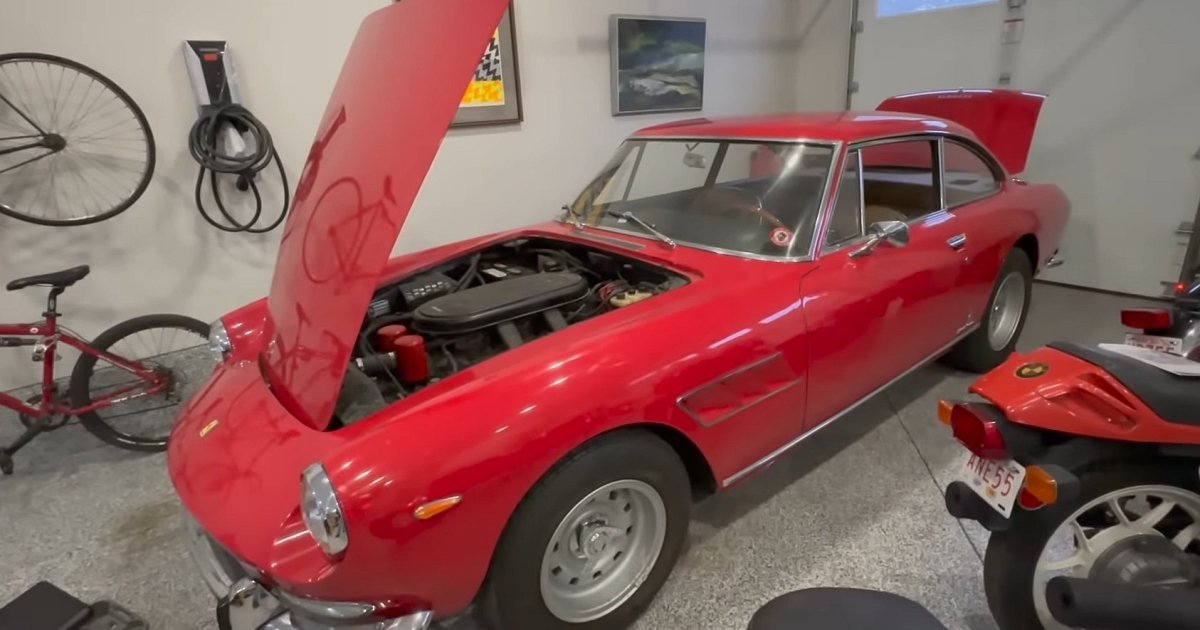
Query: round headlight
<point x="322" y="512"/>
<point x="218" y="341"/>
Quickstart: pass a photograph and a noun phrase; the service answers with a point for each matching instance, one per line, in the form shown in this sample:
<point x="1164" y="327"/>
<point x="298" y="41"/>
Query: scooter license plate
<point x="998" y="482"/>
<point x="1174" y="345"/>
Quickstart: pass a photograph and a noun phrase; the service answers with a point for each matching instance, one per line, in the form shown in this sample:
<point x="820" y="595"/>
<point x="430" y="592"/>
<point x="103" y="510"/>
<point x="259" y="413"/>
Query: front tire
<point x="997" y="335"/>
<point x="1043" y="543"/>
<point x="594" y="541"/>
<point x="174" y="344"/>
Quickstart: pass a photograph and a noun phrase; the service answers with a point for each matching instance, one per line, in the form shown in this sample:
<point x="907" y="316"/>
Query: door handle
<point x="957" y="242"/>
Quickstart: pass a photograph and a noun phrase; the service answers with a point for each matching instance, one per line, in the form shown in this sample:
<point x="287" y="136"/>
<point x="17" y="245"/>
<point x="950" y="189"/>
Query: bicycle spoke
<point x="21" y="113"/>
<point x="29" y="161"/>
<point x="112" y="98"/>
<point x="83" y="102"/>
<point x="19" y="94"/>
<point x="20" y="138"/>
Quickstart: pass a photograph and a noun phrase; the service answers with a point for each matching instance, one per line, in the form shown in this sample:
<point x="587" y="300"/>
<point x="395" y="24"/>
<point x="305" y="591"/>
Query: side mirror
<point x="894" y="233"/>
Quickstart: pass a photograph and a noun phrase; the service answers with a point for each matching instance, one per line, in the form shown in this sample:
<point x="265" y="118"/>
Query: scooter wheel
<point x="1044" y="543"/>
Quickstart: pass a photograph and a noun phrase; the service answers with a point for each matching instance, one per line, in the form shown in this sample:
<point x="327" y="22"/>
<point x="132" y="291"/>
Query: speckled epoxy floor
<point x="858" y="504"/>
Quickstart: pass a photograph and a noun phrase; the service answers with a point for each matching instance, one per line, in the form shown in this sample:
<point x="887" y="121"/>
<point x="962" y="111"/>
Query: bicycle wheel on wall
<point x="172" y="345"/>
<point x="74" y="147"/>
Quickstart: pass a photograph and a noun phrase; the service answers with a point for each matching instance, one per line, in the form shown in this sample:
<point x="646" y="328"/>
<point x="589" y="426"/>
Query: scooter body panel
<point x="1051" y="390"/>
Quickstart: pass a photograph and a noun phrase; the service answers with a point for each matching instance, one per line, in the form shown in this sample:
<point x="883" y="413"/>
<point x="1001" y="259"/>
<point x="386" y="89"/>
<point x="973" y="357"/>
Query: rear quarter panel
<point x="999" y="222"/>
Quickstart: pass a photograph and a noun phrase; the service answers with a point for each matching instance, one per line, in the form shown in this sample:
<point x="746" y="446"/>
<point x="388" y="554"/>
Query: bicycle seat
<point x="58" y="279"/>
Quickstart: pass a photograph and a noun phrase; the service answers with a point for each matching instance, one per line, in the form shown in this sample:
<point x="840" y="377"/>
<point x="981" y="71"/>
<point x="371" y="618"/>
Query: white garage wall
<point x="1117" y="133"/>
<point x="159" y="256"/>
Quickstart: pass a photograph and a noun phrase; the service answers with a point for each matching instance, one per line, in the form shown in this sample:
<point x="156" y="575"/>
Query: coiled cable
<point x="204" y="143"/>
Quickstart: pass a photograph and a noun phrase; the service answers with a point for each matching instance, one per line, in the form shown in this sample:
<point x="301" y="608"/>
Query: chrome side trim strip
<point x="770" y="457"/>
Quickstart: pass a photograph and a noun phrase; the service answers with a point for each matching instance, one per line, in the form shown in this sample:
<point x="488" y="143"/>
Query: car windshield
<point x="755" y="198"/>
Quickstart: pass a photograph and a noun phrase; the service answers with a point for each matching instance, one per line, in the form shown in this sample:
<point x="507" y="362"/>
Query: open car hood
<point x="1003" y="120"/>
<point x="399" y="89"/>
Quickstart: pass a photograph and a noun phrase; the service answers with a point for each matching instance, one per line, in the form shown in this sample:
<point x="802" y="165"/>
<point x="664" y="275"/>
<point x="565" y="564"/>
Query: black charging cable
<point x="205" y="141"/>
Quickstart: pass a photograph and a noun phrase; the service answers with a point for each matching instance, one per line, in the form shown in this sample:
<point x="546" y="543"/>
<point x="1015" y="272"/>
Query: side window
<point x="968" y="176"/>
<point x="846" y="222"/>
<point x="898" y="181"/>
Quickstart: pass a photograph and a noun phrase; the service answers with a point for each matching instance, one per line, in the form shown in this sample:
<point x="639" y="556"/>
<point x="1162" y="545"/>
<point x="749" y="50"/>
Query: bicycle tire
<point x="80" y="387"/>
<point x="139" y="115"/>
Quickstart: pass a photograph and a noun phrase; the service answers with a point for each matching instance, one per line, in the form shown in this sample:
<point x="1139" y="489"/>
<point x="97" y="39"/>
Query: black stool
<point x="843" y="609"/>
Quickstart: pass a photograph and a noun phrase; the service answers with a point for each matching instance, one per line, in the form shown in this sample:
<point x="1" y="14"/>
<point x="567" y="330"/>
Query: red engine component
<point x="389" y="335"/>
<point x="412" y="362"/>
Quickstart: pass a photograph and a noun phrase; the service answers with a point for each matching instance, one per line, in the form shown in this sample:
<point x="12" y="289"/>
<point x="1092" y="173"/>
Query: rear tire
<point x="84" y="382"/>
<point x="518" y="595"/>
<point x="997" y="335"/>
<point x="1012" y="556"/>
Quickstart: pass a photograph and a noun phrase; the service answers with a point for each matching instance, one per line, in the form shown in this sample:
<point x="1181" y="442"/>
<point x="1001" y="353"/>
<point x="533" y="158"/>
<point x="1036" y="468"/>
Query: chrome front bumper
<point x="245" y="604"/>
<point x="250" y="606"/>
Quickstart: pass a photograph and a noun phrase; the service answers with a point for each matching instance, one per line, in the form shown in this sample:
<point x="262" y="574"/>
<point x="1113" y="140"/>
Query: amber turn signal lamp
<point x="1041" y="485"/>
<point x="433" y="508"/>
<point x="945" y="410"/>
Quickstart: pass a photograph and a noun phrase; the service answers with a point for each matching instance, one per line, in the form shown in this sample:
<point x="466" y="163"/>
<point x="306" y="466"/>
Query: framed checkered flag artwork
<point x="494" y="96"/>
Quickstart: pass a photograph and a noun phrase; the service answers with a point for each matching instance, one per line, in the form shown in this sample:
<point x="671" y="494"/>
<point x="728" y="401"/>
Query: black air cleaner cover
<point x="498" y="302"/>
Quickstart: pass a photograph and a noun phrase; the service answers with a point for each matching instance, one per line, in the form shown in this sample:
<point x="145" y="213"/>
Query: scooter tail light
<point x="1146" y="318"/>
<point x="980" y="435"/>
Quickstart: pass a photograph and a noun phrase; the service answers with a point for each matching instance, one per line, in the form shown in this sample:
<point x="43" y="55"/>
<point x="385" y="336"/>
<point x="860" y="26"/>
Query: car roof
<point x="843" y="126"/>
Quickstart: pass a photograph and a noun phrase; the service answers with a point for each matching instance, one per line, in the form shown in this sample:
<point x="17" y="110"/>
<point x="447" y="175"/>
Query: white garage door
<point x="1119" y="131"/>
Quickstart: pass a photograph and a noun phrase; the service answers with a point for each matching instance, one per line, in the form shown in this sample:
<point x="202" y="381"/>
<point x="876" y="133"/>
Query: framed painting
<point x="494" y="96"/>
<point x="657" y="64"/>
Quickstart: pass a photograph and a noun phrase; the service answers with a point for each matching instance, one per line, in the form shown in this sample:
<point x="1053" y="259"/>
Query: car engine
<point x="430" y="325"/>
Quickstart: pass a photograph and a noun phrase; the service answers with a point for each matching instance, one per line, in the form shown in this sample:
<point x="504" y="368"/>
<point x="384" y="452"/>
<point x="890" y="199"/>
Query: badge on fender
<point x="1033" y="370"/>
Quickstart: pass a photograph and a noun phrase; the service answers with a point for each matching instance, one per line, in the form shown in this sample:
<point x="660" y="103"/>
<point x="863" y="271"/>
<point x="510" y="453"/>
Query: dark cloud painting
<point x="658" y="64"/>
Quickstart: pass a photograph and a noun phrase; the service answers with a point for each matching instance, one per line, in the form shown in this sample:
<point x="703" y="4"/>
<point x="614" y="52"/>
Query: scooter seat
<point x="1175" y="399"/>
<point x="842" y="609"/>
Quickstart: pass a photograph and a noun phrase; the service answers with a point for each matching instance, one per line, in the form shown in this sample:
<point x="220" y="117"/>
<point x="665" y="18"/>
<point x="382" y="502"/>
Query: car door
<point x="972" y="181"/>
<point x="873" y="315"/>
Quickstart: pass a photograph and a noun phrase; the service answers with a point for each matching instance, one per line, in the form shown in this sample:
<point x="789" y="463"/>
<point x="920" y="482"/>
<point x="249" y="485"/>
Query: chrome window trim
<point x="932" y="137"/>
<point x="616" y="242"/>
<point x="862" y="208"/>
<point x="822" y="206"/>
<point x="940" y="172"/>
<point x="773" y="455"/>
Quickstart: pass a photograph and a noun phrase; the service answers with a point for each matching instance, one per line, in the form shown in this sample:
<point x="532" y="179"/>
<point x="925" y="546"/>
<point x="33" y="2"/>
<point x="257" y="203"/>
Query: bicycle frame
<point x="47" y="334"/>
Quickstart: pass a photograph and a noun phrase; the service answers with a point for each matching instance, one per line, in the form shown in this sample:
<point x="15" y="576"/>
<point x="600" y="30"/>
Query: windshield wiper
<point x="575" y="219"/>
<point x="630" y="217"/>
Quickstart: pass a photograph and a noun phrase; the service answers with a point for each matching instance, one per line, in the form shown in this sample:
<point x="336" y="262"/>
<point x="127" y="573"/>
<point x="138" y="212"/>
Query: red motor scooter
<point x="1085" y="467"/>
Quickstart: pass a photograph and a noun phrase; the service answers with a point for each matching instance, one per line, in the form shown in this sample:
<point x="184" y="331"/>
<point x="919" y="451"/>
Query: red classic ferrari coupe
<point x="520" y="422"/>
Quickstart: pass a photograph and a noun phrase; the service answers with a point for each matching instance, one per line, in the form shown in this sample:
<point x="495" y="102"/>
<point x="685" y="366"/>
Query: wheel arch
<point x="697" y="466"/>
<point x="1028" y="243"/>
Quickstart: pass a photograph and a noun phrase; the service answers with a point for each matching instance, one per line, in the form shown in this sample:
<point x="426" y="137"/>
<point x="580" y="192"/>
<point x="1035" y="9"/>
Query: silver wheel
<point x="1007" y="309"/>
<point x="1099" y="540"/>
<point x="603" y="550"/>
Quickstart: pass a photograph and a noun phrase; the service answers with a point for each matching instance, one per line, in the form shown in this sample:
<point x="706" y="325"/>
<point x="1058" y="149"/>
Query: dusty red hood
<point x="399" y="89"/>
<point x="1003" y="120"/>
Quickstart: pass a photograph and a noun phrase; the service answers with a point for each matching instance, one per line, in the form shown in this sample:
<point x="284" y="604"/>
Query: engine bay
<point x="435" y="323"/>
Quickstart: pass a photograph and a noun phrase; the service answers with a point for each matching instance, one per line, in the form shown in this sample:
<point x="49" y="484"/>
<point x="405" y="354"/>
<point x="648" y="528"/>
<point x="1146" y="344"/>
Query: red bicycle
<point x="148" y="365"/>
